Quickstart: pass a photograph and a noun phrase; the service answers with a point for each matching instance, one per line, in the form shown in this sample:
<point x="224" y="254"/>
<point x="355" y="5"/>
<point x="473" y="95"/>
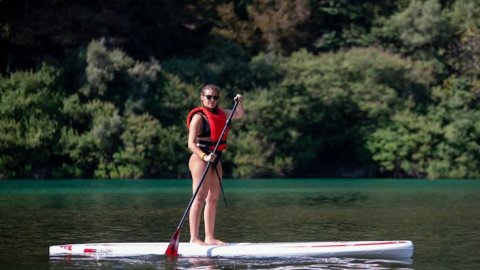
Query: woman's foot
<point x="197" y="242"/>
<point x="214" y="242"/>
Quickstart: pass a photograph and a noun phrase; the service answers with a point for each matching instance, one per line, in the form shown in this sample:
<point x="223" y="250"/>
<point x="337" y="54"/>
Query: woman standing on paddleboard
<point x="205" y="125"/>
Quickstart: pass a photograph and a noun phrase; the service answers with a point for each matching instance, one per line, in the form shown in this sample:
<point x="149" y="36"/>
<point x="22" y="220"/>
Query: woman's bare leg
<point x="197" y="166"/>
<point x="210" y="211"/>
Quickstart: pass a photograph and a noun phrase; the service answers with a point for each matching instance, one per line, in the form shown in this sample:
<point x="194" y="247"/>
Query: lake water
<point x="442" y="218"/>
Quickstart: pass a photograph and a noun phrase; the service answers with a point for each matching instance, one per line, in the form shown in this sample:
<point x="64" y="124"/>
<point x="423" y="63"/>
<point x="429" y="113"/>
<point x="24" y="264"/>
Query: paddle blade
<point x="172" y="249"/>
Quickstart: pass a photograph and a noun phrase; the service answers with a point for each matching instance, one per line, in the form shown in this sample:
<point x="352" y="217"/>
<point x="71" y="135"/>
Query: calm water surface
<point x="442" y="218"/>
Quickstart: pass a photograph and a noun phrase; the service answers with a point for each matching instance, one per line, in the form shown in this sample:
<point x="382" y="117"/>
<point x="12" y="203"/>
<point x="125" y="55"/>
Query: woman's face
<point x="209" y="98"/>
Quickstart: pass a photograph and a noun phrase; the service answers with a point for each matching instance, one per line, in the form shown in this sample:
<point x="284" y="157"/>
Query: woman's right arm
<point x="193" y="131"/>
<point x="195" y="127"/>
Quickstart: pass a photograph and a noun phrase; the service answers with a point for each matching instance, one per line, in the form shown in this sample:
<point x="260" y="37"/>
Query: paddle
<point x="172" y="249"/>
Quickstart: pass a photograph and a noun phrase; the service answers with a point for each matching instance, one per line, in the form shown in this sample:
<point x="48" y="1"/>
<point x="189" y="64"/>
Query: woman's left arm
<point x="239" y="112"/>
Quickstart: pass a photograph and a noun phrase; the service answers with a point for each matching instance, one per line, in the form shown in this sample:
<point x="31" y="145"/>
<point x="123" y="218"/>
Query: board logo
<point x="69" y="248"/>
<point x="98" y="250"/>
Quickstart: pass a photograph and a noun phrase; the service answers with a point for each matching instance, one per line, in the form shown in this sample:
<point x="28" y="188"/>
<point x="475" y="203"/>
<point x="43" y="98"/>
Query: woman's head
<point x="209" y="95"/>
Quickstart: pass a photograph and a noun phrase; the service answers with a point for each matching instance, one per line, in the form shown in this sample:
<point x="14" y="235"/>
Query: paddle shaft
<point x="172" y="248"/>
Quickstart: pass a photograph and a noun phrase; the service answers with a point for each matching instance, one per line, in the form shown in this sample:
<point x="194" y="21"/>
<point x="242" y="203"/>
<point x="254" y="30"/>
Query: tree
<point x="442" y="143"/>
<point x="273" y="25"/>
<point x="148" y="150"/>
<point x="29" y="123"/>
<point x="35" y="31"/>
<point x="109" y="131"/>
<point x="319" y="114"/>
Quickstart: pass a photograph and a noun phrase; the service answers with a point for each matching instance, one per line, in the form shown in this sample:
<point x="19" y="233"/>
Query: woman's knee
<point x="212" y="199"/>
<point x="199" y="203"/>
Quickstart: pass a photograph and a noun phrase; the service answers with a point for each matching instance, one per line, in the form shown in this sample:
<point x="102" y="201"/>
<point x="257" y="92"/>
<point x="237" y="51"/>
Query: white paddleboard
<point x="358" y="249"/>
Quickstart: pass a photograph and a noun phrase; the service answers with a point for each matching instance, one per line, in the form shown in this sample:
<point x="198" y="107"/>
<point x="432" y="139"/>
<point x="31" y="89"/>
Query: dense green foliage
<point x="92" y="89"/>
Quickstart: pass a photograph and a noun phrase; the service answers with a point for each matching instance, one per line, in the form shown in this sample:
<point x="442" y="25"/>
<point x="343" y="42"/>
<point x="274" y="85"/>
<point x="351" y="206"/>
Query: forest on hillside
<point x="332" y="88"/>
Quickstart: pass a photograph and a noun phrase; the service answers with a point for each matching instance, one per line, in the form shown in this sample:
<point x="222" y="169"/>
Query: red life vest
<point x="216" y="123"/>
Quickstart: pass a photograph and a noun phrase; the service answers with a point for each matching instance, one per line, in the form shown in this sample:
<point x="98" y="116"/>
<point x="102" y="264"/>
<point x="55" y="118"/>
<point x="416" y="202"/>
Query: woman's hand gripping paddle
<point x="172" y="249"/>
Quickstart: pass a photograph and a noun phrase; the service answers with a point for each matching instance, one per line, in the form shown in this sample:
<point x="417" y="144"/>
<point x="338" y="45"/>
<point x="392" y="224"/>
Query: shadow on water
<point x="346" y="198"/>
<point x="162" y="262"/>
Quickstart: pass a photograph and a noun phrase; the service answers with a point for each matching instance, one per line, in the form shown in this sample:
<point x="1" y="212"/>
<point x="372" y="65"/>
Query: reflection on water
<point x="161" y="262"/>
<point x="440" y="217"/>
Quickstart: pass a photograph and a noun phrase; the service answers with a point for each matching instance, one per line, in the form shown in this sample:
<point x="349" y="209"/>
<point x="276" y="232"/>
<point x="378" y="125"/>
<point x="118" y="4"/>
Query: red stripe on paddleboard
<point x="89" y="250"/>
<point x="379" y="243"/>
<point x="353" y="245"/>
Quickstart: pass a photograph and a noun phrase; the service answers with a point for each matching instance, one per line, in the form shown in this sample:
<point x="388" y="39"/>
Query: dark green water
<point x="442" y="218"/>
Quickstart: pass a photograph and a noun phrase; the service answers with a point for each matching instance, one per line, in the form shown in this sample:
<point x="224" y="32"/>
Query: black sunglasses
<point x="209" y="97"/>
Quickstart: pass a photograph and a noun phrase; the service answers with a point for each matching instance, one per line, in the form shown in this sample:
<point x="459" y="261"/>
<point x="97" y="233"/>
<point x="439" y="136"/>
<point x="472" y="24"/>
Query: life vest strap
<point x="209" y="143"/>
